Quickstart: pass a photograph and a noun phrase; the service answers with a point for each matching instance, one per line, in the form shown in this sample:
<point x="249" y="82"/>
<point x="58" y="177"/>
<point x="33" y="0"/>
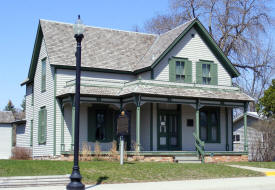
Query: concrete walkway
<point x="244" y="183"/>
<point x="266" y="171"/>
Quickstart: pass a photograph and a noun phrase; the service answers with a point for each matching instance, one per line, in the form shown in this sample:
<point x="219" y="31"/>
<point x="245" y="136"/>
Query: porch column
<point x="138" y="123"/>
<point x="226" y="129"/>
<point x="197" y="119"/>
<point x="245" y="126"/>
<point x="62" y="128"/>
<point x="73" y="117"/>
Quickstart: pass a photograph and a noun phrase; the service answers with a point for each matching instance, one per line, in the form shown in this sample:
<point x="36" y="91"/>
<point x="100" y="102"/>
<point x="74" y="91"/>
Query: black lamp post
<point x="75" y="183"/>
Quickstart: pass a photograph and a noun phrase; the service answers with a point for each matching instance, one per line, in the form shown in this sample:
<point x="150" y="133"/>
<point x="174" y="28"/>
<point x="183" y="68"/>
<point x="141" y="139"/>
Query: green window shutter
<point x="214" y="74"/>
<point x="44" y="136"/>
<point x="91" y="125"/>
<point x="199" y="72"/>
<point x="42" y="126"/>
<point x="39" y="126"/>
<point x="109" y="125"/>
<point x="172" y="70"/>
<point x="188" y="72"/>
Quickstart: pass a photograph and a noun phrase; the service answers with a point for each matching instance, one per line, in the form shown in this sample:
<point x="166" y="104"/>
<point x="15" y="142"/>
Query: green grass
<point x="270" y="165"/>
<point x="112" y="172"/>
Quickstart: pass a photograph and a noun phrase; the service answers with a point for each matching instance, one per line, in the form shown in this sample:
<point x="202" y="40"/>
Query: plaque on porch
<point x="122" y="125"/>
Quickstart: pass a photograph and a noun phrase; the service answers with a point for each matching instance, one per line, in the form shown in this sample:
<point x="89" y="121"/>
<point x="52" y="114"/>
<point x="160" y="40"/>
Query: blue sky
<point x="19" y="20"/>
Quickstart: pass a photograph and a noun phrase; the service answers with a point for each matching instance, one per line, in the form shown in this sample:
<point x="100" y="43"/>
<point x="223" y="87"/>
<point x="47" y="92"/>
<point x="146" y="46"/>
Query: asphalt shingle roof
<point x="149" y="88"/>
<point x="6" y="117"/>
<point x="106" y="48"/>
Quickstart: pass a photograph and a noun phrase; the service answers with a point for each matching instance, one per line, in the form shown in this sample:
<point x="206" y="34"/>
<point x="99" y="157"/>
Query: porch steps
<point x="29" y="181"/>
<point x="187" y="159"/>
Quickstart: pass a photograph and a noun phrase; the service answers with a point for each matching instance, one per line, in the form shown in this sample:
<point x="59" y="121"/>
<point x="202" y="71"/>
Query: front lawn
<point x="270" y="165"/>
<point x="112" y="172"/>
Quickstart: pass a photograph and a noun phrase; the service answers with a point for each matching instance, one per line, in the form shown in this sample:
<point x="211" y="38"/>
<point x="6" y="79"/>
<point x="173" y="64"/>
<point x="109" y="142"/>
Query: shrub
<point x="21" y="153"/>
<point x="86" y="151"/>
<point x="113" y="153"/>
<point x="97" y="150"/>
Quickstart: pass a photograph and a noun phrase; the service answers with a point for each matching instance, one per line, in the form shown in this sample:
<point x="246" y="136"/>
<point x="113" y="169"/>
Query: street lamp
<point x="75" y="183"/>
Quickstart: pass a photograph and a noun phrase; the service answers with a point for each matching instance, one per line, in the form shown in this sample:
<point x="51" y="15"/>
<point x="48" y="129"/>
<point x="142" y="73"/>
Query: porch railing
<point x="199" y="144"/>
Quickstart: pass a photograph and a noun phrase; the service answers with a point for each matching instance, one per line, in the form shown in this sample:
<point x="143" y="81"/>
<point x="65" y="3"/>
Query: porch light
<point x="79" y="26"/>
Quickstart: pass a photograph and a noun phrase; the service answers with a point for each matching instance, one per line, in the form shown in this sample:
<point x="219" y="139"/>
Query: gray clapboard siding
<point x="22" y="136"/>
<point x="194" y="49"/>
<point x="252" y="135"/>
<point x="29" y="111"/>
<point x="43" y="99"/>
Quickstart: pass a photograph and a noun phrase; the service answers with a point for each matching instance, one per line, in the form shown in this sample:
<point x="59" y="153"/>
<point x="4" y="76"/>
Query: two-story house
<point x="175" y="88"/>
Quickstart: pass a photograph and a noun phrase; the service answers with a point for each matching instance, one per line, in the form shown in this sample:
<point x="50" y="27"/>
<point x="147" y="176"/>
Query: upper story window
<point x="207" y="73"/>
<point x="236" y="138"/>
<point x="180" y="70"/>
<point x="43" y="75"/>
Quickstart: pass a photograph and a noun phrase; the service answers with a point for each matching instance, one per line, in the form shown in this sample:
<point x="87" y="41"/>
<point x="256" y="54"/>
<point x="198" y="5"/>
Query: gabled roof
<point x="6" y="117"/>
<point x="250" y="114"/>
<point x="115" y="50"/>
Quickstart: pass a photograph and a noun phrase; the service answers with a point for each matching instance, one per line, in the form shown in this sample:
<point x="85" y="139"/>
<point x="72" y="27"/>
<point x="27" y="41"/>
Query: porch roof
<point x="156" y="88"/>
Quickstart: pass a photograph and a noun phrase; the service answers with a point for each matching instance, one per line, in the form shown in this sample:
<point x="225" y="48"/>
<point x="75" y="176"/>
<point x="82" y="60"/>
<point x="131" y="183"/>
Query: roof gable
<point x="209" y="41"/>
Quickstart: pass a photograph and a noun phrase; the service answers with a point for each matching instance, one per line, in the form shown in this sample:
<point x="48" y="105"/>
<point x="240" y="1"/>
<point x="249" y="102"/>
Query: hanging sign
<point x="122" y="125"/>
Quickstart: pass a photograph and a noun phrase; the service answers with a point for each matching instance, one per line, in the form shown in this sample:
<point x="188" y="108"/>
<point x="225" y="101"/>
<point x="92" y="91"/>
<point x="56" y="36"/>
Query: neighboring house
<point x="168" y="85"/>
<point x="253" y="136"/>
<point x="12" y="133"/>
<point x="6" y="126"/>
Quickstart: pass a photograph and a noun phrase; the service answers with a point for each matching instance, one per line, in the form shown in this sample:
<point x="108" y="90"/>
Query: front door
<point x="168" y="135"/>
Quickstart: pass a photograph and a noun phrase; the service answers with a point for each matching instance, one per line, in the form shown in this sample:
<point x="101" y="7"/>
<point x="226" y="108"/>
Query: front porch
<point x="159" y="127"/>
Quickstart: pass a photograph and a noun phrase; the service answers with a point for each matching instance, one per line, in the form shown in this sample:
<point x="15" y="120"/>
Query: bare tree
<point x="236" y="25"/>
<point x="257" y="78"/>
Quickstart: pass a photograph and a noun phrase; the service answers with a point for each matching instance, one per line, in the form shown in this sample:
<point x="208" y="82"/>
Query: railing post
<point x="138" y="123"/>
<point x="197" y="119"/>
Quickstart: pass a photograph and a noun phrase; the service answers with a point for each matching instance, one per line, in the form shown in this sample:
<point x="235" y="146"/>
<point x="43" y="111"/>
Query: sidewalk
<point x="245" y="183"/>
<point x="266" y="171"/>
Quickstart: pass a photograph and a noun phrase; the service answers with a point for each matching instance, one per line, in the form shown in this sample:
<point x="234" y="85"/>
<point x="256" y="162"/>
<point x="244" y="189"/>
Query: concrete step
<point x="26" y="181"/>
<point x="189" y="162"/>
<point x="187" y="159"/>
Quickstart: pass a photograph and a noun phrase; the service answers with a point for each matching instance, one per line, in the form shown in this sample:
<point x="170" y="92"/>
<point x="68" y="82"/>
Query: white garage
<point x="6" y="119"/>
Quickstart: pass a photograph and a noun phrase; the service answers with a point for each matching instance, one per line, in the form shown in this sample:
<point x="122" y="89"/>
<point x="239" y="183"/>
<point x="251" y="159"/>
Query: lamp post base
<point x="75" y="183"/>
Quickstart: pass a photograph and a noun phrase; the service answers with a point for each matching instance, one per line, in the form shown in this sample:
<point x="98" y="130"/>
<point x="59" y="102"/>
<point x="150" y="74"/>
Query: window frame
<point x="187" y="70"/>
<point x="43" y="74"/>
<point x="209" y="111"/>
<point x="213" y="72"/>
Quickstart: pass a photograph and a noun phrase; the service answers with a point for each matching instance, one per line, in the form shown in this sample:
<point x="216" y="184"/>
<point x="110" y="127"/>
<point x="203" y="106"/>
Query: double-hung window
<point x="209" y="125"/>
<point x="207" y="72"/>
<point x="180" y="70"/>
<point x="180" y="74"/>
<point x="100" y="125"/>
<point x="206" y="77"/>
<point x="43" y="75"/>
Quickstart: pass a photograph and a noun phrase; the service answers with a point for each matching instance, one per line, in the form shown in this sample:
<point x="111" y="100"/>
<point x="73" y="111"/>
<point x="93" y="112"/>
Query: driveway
<point x="245" y="183"/>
